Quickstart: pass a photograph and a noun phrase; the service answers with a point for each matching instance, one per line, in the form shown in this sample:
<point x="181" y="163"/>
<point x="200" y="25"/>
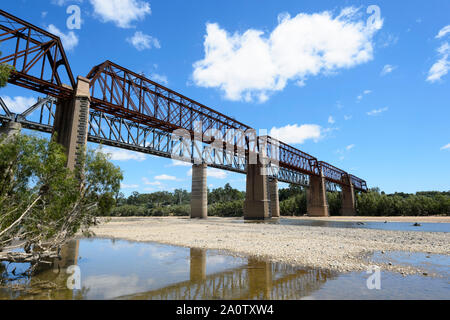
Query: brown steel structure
<point x="40" y="64"/>
<point x="37" y="57"/>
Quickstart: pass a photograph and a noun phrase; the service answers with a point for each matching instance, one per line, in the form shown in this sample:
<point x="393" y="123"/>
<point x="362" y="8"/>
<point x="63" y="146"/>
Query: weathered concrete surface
<point x="199" y="194"/>
<point x="71" y="123"/>
<point x="256" y="205"/>
<point x="10" y="129"/>
<point x="348" y="200"/>
<point x="317" y="205"/>
<point x="274" y="198"/>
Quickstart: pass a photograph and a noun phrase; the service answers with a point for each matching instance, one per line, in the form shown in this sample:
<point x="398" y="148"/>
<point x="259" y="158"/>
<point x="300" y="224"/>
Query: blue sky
<point x="371" y="97"/>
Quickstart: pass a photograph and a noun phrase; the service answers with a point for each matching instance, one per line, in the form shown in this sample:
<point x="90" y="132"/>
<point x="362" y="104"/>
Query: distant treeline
<point x="229" y="202"/>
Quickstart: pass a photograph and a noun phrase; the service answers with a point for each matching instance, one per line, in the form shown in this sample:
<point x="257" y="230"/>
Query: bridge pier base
<point x="316" y="197"/>
<point x="72" y="123"/>
<point x="199" y="194"/>
<point x="274" y="199"/>
<point x="348" y="207"/>
<point x="256" y="205"/>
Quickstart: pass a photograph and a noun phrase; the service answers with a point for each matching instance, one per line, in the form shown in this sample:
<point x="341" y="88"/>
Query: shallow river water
<point x="116" y="269"/>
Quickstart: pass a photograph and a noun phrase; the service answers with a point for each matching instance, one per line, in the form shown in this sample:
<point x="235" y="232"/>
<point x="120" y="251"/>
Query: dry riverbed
<point x="335" y="249"/>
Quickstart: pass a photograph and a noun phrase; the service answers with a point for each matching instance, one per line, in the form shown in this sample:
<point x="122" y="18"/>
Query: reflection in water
<point x="127" y="270"/>
<point x="255" y="280"/>
<point x="50" y="281"/>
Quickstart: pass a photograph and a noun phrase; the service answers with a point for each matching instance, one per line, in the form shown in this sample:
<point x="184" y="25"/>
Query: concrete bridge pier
<point x="199" y="194"/>
<point x="10" y="129"/>
<point x="256" y="205"/>
<point x="348" y="207"/>
<point x="316" y="197"/>
<point x="274" y="199"/>
<point x="72" y="123"/>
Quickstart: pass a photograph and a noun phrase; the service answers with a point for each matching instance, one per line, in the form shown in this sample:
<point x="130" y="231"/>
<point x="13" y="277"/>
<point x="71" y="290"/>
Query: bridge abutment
<point x="199" y="194"/>
<point x="316" y="196"/>
<point x="274" y="199"/>
<point x="72" y="123"/>
<point x="256" y="205"/>
<point x="348" y="207"/>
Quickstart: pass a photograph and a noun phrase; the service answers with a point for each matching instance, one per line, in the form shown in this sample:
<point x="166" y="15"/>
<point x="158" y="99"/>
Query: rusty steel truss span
<point x="126" y="103"/>
<point x="37" y="56"/>
<point x="117" y="90"/>
<point x="116" y="132"/>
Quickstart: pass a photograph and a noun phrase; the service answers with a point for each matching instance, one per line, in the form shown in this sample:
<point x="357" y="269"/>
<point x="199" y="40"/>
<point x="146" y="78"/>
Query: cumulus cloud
<point x="387" y="69"/>
<point x="297" y="134"/>
<point x="252" y="65"/>
<point x="123" y="155"/>
<point x="18" y="104"/>
<point x="377" y="111"/>
<point x="121" y="12"/>
<point x="446" y="147"/>
<point x="349" y="147"/>
<point x="69" y="40"/>
<point x="150" y="183"/>
<point x="142" y="41"/>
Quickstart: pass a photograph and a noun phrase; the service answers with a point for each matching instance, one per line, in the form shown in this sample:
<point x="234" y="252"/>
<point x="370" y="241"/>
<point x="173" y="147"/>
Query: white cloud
<point x="166" y="177"/>
<point x="178" y="163"/>
<point x="121" y="12"/>
<point x="65" y="2"/>
<point x="69" y="40"/>
<point x="377" y="111"/>
<point x="347" y="117"/>
<point x="212" y="173"/>
<point x="253" y="65"/>
<point x="123" y="155"/>
<point x="443" y="32"/>
<point x="387" y="69"/>
<point x="441" y="67"/>
<point x="18" y="104"/>
<point x="365" y="92"/>
<point x="129" y="186"/>
<point x="142" y="41"/>
<point x="149" y="183"/>
<point x="350" y="147"/>
<point x="297" y="134"/>
<point x="331" y="120"/>
<point x="446" y="147"/>
<point x="159" y="78"/>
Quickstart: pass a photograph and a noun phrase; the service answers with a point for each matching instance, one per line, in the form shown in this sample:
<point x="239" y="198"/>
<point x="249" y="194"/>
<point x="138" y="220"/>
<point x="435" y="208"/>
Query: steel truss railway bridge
<point x="117" y="107"/>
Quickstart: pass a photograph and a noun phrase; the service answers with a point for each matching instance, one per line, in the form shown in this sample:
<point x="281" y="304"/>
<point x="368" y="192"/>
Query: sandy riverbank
<point x="319" y="247"/>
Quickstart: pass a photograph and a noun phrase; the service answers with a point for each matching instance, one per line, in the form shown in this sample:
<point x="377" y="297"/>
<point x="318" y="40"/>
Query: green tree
<point x="42" y="203"/>
<point x="5" y="71"/>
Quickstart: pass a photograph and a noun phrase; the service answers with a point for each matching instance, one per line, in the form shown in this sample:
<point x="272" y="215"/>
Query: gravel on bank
<point x="335" y="249"/>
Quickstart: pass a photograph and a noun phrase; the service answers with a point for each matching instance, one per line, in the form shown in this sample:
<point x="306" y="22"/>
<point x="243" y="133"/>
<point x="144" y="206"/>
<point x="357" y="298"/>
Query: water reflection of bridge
<point x="256" y="280"/>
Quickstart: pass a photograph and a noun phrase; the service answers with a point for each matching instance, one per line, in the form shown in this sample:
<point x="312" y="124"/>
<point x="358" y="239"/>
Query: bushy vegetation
<point x="376" y="203"/>
<point x="43" y="203"/>
<point x="225" y="202"/>
<point x="229" y="202"/>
